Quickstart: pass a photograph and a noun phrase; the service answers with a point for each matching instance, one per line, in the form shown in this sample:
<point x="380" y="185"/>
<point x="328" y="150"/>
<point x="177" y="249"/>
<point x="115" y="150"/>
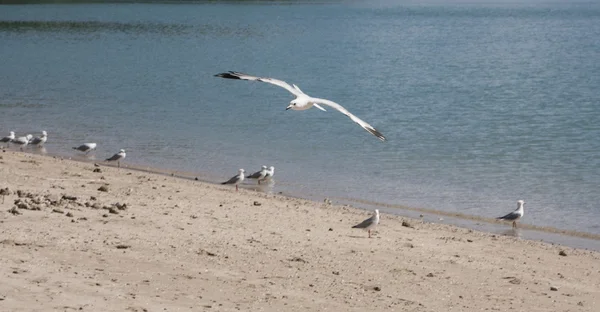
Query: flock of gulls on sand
<point x="301" y="102"/>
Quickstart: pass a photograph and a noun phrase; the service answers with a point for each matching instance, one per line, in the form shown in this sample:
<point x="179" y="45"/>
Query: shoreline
<point x="570" y="238"/>
<point x="76" y="236"/>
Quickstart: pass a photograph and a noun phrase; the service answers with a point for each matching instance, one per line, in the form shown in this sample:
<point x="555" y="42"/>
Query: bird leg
<point x="258" y="182"/>
<point x="369" y="233"/>
<point x="515" y="224"/>
<point x="118" y="164"/>
<point x="236" y="187"/>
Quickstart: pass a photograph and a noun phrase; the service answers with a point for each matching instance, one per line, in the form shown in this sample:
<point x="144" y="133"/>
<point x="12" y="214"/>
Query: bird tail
<point x="74" y="148"/>
<point x="223" y="182"/>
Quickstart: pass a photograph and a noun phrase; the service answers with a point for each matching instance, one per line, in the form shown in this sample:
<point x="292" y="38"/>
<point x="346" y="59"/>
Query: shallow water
<point x="481" y="104"/>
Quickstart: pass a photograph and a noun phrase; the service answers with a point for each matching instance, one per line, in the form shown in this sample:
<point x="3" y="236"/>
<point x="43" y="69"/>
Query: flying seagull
<point x="86" y="147"/>
<point x="515" y="215"/>
<point x="259" y="175"/>
<point x="8" y="138"/>
<point x="237" y="179"/>
<point x="118" y="157"/>
<point x="39" y="141"/>
<point x="369" y="223"/>
<point x="302" y="100"/>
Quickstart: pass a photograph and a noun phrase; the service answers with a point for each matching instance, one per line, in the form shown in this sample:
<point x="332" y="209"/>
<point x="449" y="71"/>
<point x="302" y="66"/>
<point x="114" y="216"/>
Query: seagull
<point x="515" y="215"/>
<point x="22" y="141"/>
<point x="39" y="141"/>
<point x="370" y="223"/>
<point x="259" y="175"/>
<point x="8" y="138"/>
<point x="86" y="147"/>
<point x="237" y="179"/>
<point x="302" y="100"/>
<point x="118" y="157"/>
<point x="270" y="173"/>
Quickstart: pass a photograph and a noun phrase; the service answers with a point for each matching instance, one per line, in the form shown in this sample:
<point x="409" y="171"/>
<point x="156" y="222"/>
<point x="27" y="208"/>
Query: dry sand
<point x="179" y="245"/>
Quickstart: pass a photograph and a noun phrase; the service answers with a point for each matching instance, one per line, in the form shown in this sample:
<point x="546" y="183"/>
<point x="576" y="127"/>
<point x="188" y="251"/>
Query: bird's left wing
<point x="357" y="120"/>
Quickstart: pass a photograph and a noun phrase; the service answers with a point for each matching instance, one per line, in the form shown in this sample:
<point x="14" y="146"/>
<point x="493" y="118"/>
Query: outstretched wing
<point x="241" y="76"/>
<point x="357" y="120"/>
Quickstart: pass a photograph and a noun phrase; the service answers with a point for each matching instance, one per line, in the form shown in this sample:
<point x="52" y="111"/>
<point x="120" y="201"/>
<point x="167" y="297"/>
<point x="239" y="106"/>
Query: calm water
<point x="482" y="104"/>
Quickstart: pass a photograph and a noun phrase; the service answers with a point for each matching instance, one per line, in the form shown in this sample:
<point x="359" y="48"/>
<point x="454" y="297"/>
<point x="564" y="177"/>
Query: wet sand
<point x="151" y="242"/>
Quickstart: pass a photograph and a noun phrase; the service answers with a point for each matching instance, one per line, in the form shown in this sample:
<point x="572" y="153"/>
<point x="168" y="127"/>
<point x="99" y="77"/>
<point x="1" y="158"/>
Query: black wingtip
<point x="376" y="133"/>
<point x="228" y="75"/>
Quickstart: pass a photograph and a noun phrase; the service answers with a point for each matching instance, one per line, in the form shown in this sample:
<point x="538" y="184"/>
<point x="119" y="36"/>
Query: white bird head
<point x="12" y="134"/>
<point x="44" y="133"/>
<point x="271" y="168"/>
<point x="91" y="145"/>
<point x="377" y="211"/>
<point x="122" y="151"/>
<point x="264" y="167"/>
<point x="520" y="203"/>
<point x="29" y="137"/>
<point x="293" y="104"/>
<point x="242" y="170"/>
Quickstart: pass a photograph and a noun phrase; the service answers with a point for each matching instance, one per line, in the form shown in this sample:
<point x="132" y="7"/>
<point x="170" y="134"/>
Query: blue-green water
<point x="482" y="104"/>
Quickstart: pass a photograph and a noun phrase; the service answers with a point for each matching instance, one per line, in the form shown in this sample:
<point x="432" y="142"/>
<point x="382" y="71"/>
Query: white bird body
<point x="7" y="139"/>
<point x="302" y="100"/>
<point x="515" y="215"/>
<point x="22" y="141"/>
<point x="270" y="173"/>
<point x="86" y="147"/>
<point x="237" y="179"/>
<point x="118" y="157"/>
<point x="259" y="175"/>
<point x="39" y="141"/>
<point x="369" y="223"/>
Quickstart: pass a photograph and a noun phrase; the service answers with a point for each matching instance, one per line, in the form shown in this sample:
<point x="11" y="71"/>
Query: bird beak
<point x="290" y="106"/>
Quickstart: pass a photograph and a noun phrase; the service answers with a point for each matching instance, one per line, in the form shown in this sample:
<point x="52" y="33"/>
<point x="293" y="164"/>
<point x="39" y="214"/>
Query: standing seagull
<point x="237" y="179"/>
<point x="270" y="173"/>
<point x="22" y="141"/>
<point x="515" y="215"/>
<point x="302" y="100"/>
<point x="118" y="156"/>
<point x="259" y="175"/>
<point x="369" y="223"/>
<point x="86" y="147"/>
<point x="39" y="141"/>
<point x="8" y="138"/>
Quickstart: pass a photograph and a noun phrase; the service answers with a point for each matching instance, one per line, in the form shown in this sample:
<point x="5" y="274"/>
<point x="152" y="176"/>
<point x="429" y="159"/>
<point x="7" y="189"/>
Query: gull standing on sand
<point x="39" y="141"/>
<point x="22" y="141"/>
<point x="259" y="175"/>
<point x="370" y="223"/>
<point x="237" y="179"/>
<point x="86" y="147"/>
<point x="8" y="138"/>
<point x="515" y="215"/>
<point x="302" y="100"/>
<point x="117" y="157"/>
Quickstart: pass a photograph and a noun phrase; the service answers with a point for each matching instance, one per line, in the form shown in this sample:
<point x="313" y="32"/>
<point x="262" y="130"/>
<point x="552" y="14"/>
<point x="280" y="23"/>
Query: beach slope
<point x="74" y="236"/>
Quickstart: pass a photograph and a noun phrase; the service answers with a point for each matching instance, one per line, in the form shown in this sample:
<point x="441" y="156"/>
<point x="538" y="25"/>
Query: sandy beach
<point x="80" y="237"/>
